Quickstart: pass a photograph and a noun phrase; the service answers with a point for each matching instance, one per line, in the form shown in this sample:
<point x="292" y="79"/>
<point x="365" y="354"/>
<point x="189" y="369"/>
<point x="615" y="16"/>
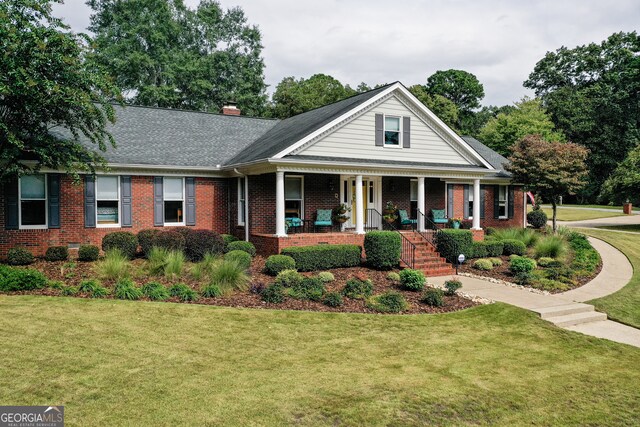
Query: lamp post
<point x="461" y="259"/>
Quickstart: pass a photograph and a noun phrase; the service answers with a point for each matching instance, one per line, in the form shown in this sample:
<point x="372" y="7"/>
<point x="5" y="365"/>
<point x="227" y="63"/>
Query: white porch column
<point x="359" y="206"/>
<point x="421" y="203"/>
<point x="476" y="204"/>
<point x="280" y="229"/>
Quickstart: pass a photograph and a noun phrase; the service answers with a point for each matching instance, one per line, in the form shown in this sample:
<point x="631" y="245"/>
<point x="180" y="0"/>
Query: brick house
<point x="264" y="180"/>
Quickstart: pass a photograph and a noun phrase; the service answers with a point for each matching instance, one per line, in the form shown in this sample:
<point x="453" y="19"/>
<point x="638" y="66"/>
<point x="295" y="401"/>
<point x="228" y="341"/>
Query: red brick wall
<point x="211" y="214"/>
<point x="267" y="244"/>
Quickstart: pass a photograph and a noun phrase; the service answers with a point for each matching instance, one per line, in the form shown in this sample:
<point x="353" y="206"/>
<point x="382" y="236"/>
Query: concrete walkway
<point x="567" y="310"/>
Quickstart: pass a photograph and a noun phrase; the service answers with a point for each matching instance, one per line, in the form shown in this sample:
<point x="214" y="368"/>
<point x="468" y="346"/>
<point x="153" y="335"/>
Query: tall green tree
<point x="167" y="55"/>
<point x="293" y="96"/>
<point x="445" y="109"/>
<point x="458" y="86"/>
<point x="624" y="183"/>
<point x="551" y="169"/>
<point x="593" y="95"/>
<point x="527" y="118"/>
<point x="45" y="83"/>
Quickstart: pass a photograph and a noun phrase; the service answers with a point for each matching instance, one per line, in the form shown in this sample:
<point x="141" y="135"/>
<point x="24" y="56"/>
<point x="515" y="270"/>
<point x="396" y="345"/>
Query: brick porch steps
<point x="426" y="257"/>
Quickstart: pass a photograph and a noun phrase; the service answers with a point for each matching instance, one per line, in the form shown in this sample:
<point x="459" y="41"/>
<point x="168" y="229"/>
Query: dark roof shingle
<point x="493" y="158"/>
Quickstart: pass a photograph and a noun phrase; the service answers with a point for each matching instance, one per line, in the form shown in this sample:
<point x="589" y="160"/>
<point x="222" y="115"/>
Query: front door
<point x="370" y="196"/>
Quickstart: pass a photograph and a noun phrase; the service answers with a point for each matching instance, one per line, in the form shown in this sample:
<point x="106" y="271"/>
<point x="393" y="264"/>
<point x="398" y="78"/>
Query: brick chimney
<point x="230" y="109"/>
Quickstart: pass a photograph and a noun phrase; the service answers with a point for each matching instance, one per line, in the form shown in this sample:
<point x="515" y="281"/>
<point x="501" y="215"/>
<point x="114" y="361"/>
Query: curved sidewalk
<point x="616" y="273"/>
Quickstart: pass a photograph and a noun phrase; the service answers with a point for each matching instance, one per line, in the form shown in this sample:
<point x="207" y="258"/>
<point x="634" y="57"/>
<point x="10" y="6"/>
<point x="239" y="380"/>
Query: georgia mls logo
<point x="31" y="416"/>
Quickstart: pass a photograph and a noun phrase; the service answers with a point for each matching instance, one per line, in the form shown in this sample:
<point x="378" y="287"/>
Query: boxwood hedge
<point x="382" y="249"/>
<point x="452" y="242"/>
<point x="324" y="257"/>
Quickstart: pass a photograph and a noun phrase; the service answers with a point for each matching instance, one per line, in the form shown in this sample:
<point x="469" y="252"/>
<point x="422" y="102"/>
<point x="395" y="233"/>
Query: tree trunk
<point x="554" y="206"/>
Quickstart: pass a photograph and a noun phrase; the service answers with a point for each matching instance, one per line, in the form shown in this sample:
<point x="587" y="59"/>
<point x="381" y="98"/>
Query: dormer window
<point x="392" y="131"/>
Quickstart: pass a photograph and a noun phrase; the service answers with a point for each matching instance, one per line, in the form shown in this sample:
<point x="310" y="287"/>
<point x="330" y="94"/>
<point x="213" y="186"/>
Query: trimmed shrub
<point x="546" y="262"/>
<point x="513" y="247"/>
<point x="184" y="231"/>
<point x="126" y="289"/>
<point x="289" y="278"/>
<point x="497" y="262"/>
<point x="324" y="257"/>
<point x="242" y="258"/>
<point x="17" y="279"/>
<point x="551" y="247"/>
<point x="88" y="253"/>
<point x="333" y="299"/>
<point x="549" y="285"/>
<point x="183" y="292"/>
<point x="155" y="291"/>
<point x="145" y="240"/>
<point x="276" y="263"/>
<point x="382" y="249"/>
<point x="451" y="243"/>
<point x="561" y="273"/>
<point x="169" y="239"/>
<point x="273" y="294"/>
<point x="522" y="265"/>
<point x="57" y="253"/>
<point x="358" y="288"/>
<point x="537" y="218"/>
<point x="388" y="302"/>
<point x="241" y="245"/>
<point x="201" y="242"/>
<point x="211" y="291"/>
<point x="451" y="286"/>
<point x="513" y="256"/>
<point x="433" y="297"/>
<point x="326" y="276"/>
<point x="483" y="264"/>
<point x="228" y="238"/>
<point x="311" y="288"/>
<point x="479" y="250"/>
<point x="412" y="280"/>
<point x="494" y="248"/>
<point x="124" y="241"/>
<point x="20" y="256"/>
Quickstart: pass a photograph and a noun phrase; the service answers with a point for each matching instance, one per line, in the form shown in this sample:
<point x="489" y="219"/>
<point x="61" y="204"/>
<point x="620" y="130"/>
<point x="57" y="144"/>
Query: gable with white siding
<point x="356" y="139"/>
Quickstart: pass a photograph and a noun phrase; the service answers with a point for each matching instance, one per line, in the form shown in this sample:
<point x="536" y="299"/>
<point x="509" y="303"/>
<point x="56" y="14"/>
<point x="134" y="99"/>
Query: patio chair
<point x="405" y="220"/>
<point x="439" y="216"/>
<point x="293" y="224"/>
<point x="323" y="218"/>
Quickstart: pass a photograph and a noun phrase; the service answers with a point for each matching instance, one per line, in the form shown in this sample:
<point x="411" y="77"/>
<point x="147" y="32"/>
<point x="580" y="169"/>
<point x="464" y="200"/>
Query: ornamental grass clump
<point x="551" y="247"/>
<point x="174" y="264"/>
<point x="183" y="292"/>
<point x="229" y="276"/>
<point x="241" y="257"/>
<point x="155" y="291"/>
<point x="211" y="291"/>
<point x="204" y="268"/>
<point x="113" y="266"/>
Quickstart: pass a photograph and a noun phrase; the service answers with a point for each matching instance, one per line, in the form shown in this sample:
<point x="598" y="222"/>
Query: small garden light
<point x="461" y="259"/>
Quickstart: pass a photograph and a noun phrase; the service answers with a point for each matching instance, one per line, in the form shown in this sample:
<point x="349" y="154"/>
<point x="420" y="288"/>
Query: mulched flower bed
<point x="73" y="275"/>
<point x="502" y="273"/>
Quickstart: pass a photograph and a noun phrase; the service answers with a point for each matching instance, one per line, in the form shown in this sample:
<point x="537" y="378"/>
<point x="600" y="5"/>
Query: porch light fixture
<point x="331" y="184"/>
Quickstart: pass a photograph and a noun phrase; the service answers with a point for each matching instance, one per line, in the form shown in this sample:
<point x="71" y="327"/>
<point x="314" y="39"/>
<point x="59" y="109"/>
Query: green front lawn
<point x="625" y="227"/>
<point x="568" y="214"/>
<point x="118" y="362"/>
<point x="624" y="305"/>
<point x="618" y="208"/>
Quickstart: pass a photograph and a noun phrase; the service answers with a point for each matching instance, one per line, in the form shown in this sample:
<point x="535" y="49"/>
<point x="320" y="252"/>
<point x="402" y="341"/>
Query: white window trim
<point x="506" y="202"/>
<point x="241" y="207"/>
<point x="301" y="193"/>
<point x="109" y="200"/>
<point x="384" y="130"/>
<point x="164" y="199"/>
<point x="46" y="206"/>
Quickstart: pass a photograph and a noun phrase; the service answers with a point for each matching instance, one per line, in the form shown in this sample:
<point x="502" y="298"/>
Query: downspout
<point x="246" y="203"/>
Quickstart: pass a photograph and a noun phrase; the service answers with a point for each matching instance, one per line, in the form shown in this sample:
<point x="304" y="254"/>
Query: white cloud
<point x="380" y="41"/>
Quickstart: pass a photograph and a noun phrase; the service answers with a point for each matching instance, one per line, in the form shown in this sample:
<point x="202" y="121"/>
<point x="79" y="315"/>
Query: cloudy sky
<point x="382" y="41"/>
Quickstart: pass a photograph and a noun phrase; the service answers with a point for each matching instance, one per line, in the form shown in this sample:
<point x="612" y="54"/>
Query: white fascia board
<point x="334" y="122"/>
<point x="444" y="127"/>
<point x="452" y="168"/>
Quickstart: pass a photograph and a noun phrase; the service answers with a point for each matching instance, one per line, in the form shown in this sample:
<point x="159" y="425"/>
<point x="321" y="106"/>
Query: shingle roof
<point x="166" y="137"/>
<point x="291" y="130"/>
<point x="493" y="158"/>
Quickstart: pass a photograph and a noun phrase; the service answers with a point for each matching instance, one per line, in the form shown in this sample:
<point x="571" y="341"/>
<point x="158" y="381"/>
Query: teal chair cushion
<point x="404" y="218"/>
<point x="323" y="217"/>
<point x="439" y="216"/>
<point x="293" y="222"/>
